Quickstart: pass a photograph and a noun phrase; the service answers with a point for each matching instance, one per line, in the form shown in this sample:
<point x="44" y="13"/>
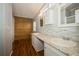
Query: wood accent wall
<point x="23" y="28"/>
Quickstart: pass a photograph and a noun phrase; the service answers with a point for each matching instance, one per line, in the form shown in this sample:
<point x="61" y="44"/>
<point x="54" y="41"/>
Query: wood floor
<point x="24" y="48"/>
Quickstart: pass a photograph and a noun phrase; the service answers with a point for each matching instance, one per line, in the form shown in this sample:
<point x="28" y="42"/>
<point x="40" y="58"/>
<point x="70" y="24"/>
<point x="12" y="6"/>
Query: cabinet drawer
<point x="37" y="44"/>
<point x="50" y="51"/>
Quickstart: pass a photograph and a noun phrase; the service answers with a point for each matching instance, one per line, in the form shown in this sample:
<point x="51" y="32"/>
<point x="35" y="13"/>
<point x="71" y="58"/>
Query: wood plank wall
<point x="23" y="28"/>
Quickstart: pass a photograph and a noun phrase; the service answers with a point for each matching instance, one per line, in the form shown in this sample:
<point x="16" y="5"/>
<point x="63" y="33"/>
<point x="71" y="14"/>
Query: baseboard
<point x="11" y="53"/>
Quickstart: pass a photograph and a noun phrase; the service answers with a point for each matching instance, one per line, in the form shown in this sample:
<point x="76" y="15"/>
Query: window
<point x="34" y="26"/>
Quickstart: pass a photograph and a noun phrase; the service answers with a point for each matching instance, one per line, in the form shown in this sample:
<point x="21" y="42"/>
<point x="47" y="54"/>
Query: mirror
<point x="41" y="21"/>
<point x="70" y="14"/>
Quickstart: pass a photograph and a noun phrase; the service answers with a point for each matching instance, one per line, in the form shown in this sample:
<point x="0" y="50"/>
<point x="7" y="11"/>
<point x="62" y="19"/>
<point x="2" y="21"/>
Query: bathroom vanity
<point x="53" y="46"/>
<point x="60" y="20"/>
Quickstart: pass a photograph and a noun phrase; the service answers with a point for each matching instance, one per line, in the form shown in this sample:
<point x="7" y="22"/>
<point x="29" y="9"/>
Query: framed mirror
<point x="41" y="21"/>
<point x="69" y="14"/>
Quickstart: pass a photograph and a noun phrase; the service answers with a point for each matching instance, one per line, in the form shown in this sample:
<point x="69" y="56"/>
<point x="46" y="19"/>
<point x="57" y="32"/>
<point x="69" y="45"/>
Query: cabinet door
<point x="37" y="44"/>
<point x="48" y="16"/>
<point x="50" y="51"/>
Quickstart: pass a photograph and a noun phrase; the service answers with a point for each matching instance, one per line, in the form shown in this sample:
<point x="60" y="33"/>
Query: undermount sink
<point x="62" y="42"/>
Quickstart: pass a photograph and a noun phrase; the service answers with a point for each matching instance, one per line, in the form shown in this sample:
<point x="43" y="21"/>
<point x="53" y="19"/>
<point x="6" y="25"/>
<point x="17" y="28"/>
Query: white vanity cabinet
<point x="37" y="43"/>
<point x="51" y="51"/>
<point x="48" y="16"/>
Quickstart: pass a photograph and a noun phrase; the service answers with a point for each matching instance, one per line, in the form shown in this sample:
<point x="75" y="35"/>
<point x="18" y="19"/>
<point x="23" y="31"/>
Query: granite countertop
<point x="67" y="46"/>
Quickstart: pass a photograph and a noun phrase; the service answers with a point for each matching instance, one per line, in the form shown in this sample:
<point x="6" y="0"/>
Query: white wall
<point x="7" y="29"/>
<point x="1" y="30"/>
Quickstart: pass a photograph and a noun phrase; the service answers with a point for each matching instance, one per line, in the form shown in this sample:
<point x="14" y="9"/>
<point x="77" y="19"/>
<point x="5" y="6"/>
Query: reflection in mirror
<point x="70" y="14"/>
<point x="41" y="21"/>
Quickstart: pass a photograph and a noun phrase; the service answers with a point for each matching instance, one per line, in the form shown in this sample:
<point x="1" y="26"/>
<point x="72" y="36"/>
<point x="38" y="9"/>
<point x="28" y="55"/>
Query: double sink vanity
<point x="54" y="46"/>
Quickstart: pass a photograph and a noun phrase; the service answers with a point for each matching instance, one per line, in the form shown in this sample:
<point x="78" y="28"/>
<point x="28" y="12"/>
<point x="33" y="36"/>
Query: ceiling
<point x="29" y="10"/>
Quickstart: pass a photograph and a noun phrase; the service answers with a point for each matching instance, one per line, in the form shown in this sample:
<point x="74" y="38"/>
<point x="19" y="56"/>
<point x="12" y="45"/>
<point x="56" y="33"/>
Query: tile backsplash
<point x="67" y="32"/>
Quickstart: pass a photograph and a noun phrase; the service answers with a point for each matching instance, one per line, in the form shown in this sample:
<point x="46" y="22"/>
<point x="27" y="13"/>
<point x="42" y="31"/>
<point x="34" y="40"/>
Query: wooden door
<point x="23" y="28"/>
